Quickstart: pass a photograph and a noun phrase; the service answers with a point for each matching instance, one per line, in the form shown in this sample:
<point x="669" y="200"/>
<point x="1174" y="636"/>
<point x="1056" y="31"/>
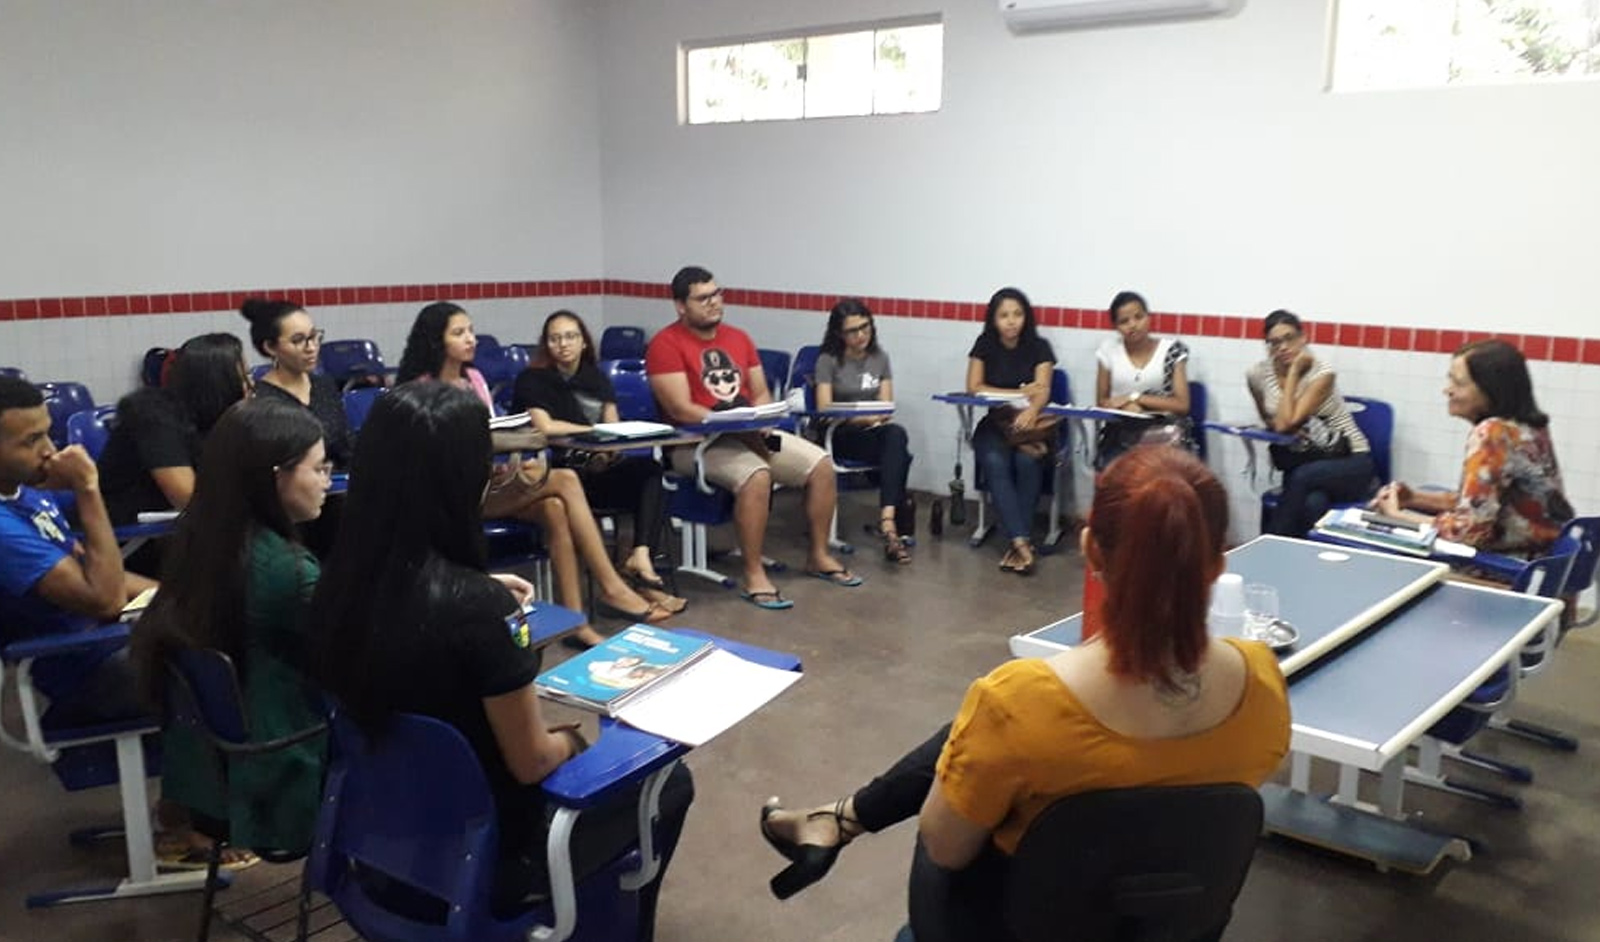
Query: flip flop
<point x="198" y="858"/>
<point x="772" y="601"/>
<point x="839" y="577"/>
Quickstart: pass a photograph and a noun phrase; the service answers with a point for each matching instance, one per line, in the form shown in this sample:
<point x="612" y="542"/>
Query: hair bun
<point x="255" y="309"/>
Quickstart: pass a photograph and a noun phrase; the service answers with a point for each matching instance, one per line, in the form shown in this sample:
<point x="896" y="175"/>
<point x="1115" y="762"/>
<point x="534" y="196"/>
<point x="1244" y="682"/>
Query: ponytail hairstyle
<point x="1158" y="526"/>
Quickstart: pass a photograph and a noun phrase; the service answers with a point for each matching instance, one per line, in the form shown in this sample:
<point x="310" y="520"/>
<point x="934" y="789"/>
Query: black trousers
<point x="601" y="834"/>
<point x="897" y="795"/>
<point x="885" y="445"/>
<point x="633" y="485"/>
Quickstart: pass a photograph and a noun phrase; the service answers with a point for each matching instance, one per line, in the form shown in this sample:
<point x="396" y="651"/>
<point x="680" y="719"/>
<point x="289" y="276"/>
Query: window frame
<point x="686" y="47"/>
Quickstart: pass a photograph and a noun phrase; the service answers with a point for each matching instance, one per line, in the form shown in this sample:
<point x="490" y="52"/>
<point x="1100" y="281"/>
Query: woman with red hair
<point x="1151" y="699"/>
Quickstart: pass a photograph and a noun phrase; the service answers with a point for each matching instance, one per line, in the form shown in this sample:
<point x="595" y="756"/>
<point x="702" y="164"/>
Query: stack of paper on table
<point x="612" y="431"/>
<point x="677" y="687"/>
<point x="766" y="410"/>
<point x="866" y="405"/>
<point x="1388" y="533"/>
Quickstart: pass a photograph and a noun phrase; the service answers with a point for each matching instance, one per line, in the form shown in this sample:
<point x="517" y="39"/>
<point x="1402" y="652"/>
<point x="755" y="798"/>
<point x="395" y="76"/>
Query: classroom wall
<point x="367" y="156"/>
<point x="156" y="154"/>
<point x="1200" y="162"/>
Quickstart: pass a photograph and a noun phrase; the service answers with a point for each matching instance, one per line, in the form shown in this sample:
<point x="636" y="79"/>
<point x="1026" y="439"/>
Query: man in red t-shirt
<point x="698" y="365"/>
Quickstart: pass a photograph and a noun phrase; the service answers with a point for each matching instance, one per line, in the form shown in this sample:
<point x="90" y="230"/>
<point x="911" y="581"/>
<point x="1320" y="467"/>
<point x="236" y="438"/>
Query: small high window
<point x="893" y="68"/>
<point x="1424" y="43"/>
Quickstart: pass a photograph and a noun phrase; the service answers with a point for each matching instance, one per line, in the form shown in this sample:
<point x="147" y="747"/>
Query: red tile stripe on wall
<point x="1369" y="336"/>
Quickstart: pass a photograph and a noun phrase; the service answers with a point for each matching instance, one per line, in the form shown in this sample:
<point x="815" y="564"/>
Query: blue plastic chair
<point x="635" y="401"/>
<point x="803" y="372"/>
<point x="1545" y="577"/>
<point x="1056" y="481"/>
<point x="351" y="361"/>
<point x="1375" y="418"/>
<point x="153" y="369"/>
<point x="256" y="372"/>
<point x="64" y="400"/>
<point x="434" y="844"/>
<point x="90" y="757"/>
<point x="775" y="366"/>
<point x="358" y="405"/>
<point x="1198" y="402"/>
<point x="622" y="343"/>
<point x="202" y="693"/>
<point x="13" y="372"/>
<point x="92" y="429"/>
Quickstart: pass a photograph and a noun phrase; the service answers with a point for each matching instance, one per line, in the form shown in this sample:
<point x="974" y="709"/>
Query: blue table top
<point x="1328" y="595"/>
<point x="622" y="755"/>
<point x="1412" y="668"/>
<point x="709" y="429"/>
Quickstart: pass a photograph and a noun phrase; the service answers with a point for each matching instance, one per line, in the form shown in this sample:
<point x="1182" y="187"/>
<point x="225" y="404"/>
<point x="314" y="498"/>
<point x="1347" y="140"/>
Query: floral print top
<point x="1510" y="498"/>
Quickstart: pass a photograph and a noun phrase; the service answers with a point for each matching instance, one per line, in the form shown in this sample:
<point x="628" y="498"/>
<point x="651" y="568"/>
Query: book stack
<point x="662" y="682"/>
<point x="1391" y="534"/>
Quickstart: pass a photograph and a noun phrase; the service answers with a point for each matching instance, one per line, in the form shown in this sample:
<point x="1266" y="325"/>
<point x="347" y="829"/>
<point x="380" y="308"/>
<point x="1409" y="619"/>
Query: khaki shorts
<point x="731" y="459"/>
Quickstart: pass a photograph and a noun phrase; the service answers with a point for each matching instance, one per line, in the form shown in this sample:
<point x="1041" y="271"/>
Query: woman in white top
<point x="1140" y="372"/>
<point x="1330" y="461"/>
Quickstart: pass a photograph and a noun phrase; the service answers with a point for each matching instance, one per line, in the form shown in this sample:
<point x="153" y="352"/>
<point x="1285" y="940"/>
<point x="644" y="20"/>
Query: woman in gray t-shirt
<point x="852" y="368"/>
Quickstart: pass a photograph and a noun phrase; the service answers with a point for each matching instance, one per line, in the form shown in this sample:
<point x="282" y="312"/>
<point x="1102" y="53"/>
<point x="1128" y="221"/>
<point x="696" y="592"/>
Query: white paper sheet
<point x="707" y="698"/>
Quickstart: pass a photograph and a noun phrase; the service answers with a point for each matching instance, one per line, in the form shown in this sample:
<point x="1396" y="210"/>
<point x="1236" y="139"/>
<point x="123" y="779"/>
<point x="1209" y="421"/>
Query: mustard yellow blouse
<point x="1022" y="740"/>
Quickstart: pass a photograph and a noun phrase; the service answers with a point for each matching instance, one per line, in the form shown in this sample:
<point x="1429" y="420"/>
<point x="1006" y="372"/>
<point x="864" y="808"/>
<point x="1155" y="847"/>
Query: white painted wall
<point x="1200" y="162"/>
<point x="192" y="145"/>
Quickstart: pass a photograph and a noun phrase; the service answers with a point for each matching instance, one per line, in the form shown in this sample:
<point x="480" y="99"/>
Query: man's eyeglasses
<point x="570" y="336"/>
<point x="858" y="329"/>
<point x="313" y="339"/>
<point x="1274" y="343"/>
<point x="708" y="297"/>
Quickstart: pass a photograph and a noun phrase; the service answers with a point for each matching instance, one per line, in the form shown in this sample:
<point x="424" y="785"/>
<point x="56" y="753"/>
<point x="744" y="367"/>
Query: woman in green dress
<point x="237" y="579"/>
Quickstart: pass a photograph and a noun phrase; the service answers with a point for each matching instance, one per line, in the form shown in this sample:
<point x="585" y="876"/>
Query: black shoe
<point x="936" y="518"/>
<point x="810" y="862"/>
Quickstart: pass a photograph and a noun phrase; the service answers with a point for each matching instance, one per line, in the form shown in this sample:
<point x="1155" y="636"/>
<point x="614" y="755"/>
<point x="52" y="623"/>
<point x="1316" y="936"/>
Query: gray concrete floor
<point x="885" y="664"/>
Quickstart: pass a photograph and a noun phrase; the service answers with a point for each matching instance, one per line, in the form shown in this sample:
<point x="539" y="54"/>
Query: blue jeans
<point x="1014" y="479"/>
<point x="1309" y="490"/>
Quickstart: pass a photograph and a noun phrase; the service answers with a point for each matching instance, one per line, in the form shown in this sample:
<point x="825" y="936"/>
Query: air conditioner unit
<point x="1025" y="15"/>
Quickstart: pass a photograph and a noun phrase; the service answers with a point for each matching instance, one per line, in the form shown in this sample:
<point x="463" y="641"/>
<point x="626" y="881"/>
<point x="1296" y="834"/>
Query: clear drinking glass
<point x="1260" y="609"/>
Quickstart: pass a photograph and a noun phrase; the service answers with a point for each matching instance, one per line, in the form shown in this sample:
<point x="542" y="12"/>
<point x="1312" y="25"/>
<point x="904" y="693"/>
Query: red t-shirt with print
<point x="718" y="369"/>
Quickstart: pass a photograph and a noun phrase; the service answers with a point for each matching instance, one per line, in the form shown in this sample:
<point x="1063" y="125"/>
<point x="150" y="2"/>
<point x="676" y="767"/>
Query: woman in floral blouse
<point x="1510" y="498"/>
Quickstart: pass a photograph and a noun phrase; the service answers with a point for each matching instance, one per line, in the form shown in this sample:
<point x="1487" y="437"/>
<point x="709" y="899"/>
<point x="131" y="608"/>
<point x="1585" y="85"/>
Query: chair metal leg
<point x="695" y="554"/>
<point x="142" y="879"/>
<point x="213" y="865"/>
<point x="1429" y="774"/>
<point x="981" y="531"/>
<point x="1544" y="735"/>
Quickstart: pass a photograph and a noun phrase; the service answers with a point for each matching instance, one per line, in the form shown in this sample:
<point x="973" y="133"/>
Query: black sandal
<point x="894" y="545"/>
<point x="809" y="862"/>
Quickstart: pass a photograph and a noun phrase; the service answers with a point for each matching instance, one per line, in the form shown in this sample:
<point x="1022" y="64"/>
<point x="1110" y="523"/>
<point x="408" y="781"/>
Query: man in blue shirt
<point x="50" y="581"/>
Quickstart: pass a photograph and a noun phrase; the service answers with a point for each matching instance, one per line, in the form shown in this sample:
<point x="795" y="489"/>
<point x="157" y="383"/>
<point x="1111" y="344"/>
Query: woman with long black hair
<point x="407" y="620"/>
<point x="150" y="460"/>
<point x="237" y="579"/>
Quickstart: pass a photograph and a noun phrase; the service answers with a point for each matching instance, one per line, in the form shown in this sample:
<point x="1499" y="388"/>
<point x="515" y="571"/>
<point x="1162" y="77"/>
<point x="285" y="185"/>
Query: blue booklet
<point x="621" y="669"/>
